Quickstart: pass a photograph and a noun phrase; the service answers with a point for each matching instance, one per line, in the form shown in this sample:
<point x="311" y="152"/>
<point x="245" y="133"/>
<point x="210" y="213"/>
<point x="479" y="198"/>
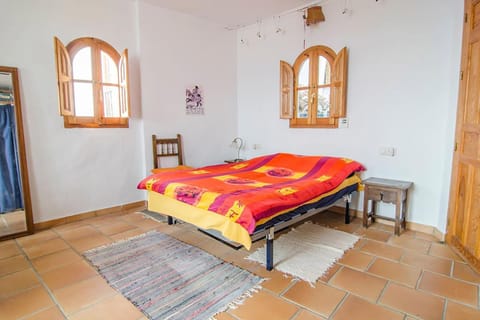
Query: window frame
<point x="289" y="78"/>
<point x="64" y="57"/>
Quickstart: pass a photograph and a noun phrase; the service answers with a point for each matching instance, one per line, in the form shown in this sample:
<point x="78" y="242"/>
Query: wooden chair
<point x="167" y="147"/>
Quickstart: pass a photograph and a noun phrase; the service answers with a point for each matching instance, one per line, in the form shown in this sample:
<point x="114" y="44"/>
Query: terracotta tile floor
<point x="44" y="276"/>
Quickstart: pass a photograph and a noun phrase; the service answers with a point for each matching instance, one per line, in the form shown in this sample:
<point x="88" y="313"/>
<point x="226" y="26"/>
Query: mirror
<point x="15" y="205"/>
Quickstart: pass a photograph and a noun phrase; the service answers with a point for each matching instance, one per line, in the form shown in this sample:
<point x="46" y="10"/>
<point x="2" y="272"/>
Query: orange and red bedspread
<point x="256" y="189"/>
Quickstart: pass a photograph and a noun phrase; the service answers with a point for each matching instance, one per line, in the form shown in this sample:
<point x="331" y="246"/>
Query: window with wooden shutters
<point x="92" y="84"/>
<point x="313" y="91"/>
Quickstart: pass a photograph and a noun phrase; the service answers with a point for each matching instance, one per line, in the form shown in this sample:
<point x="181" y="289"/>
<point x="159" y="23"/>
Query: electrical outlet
<point x="387" y="151"/>
<point x="343" y="122"/>
<point x="256" y="146"/>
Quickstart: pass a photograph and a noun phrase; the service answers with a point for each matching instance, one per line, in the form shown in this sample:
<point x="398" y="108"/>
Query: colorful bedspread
<point x="256" y="189"/>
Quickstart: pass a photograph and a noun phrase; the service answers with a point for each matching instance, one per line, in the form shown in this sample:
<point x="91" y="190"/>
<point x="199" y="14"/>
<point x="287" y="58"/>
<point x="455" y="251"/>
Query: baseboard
<point x="121" y="209"/>
<point x="410" y="225"/>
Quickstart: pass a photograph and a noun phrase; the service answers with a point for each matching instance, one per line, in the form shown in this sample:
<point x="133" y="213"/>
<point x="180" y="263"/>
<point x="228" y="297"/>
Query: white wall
<point x="72" y="170"/>
<point x="178" y="51"/>
<point x="402" y="90"/>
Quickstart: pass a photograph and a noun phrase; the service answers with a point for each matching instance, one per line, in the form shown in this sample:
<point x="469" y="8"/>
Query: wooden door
<point x="464" y="212"/>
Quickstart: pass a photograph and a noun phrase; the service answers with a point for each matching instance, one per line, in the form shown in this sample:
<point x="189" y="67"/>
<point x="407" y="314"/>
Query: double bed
<point x="250" y="199"/>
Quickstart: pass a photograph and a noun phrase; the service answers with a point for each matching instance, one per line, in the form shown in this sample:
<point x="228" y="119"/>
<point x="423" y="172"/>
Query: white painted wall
<point x="72" y="170"/>
<point x="178" y="51"/>
<point x="402" y="91"/>
<point x="404" y="61"/>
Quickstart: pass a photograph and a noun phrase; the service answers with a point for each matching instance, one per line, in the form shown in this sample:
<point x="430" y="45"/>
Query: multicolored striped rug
<point x="168" y="279"/>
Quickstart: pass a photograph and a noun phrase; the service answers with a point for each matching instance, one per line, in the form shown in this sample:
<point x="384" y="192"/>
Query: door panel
<point x="464" y="211"/>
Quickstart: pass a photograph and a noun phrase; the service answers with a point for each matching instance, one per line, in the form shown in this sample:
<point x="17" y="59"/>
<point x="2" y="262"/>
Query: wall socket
<point x="256" y="146"/>
<point x="388" y="151"/>
<point x="343" y="122"/>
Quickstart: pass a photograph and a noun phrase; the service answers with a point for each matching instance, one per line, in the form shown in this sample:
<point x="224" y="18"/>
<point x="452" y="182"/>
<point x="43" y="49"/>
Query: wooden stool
<point x="387" y="191"/>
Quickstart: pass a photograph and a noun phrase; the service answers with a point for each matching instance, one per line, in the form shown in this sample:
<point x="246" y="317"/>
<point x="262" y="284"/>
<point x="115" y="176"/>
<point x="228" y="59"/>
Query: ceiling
<point x="233" y="13"/>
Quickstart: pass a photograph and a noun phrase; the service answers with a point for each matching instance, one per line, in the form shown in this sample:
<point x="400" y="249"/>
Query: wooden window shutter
<point x="64" y="76"/>
<point x="124" y="85"/>
<point x="286" y="90"/>
<point x="339" y="85"/>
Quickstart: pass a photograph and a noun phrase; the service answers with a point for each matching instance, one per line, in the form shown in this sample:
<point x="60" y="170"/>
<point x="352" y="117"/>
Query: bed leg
<point x="169" y="220"/>
<point x="269" y="251"/>
<point x="348" y="199"/>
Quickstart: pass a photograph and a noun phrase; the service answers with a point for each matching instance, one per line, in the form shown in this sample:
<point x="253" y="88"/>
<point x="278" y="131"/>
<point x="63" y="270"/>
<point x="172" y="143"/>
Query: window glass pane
<point x="82" y="64"/>
<point x="111" y="105"/>
<point x="83" y="95"/>
<point x="323" y="105"/>
<point x="302" y="104"/>
<point x="323" y="71"/>
<point x="109" y="69"/>
<point x="303" y="74"/>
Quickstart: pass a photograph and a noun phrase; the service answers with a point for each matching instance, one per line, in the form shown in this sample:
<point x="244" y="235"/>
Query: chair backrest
<point x="169" y="147"/>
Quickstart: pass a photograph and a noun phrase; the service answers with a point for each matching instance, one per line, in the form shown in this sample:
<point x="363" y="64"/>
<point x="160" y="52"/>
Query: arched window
<point x="313" y="91"/>
<point x="92" y="84"/>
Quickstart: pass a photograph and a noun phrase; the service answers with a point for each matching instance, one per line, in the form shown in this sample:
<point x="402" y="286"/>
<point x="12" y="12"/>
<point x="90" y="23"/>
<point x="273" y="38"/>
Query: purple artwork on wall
<point x="194" y="100"/>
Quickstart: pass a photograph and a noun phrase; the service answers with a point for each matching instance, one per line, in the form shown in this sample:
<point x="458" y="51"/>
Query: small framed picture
<point x="194" y="100"/>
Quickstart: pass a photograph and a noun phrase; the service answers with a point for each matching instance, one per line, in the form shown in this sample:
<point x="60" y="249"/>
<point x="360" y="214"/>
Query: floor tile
<point x="427" y="262"/>
<point x="443" y="251"/>
<point x="90" y="242"/>
<point x="13" y="264"/>
<point x="356" y="308"/>
<point x="376" y="234"/>
<point x="356" y="259"/>
<point x="309" y="296"/>
<point x="395" y="271"/>
<point x="367" y="274"/>
<point x="127" y="234"/>
<point x="224" y="316"/>
<point x="254" y="308"/>
<point x="464" y="272"/>
<point x="411" y="301"/>
<point x="81" y="294"/>
<point x="52" y="313"/>
<point x="25" y="303"/>
<point x="9" y="249"/>
<point x="451" y="288"/>
<point x="329" y="273"/>
<point x="456" y="311"/>
<point x="37" y="238"/>
<point x="382" y="250"/>
<point x="81" y="232"/>
<point x="364" y="285"/>
<point x="46" y="247"/>
<point x="417" y="245"/>
<point x="275" y="281"/>
<point x="71" y="225"/>
<point x="426" y="236"/>
<point x="68" y="274"/>
<point x="55" y="260"/>
<point x="115" y="228"/>
<point x="307" y="315"/>
<point x="13" y="283"/>
<point x="116" y="307"/>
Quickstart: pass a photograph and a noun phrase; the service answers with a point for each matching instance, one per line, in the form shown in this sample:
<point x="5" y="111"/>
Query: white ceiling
<point x="233" y="13"/>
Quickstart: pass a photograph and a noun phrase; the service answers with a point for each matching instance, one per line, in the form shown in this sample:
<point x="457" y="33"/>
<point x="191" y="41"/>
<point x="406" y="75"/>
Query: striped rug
<point x="168" y="279"/>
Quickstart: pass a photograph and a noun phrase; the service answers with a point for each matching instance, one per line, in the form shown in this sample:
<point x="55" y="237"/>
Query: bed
<point x="245" y="200"/>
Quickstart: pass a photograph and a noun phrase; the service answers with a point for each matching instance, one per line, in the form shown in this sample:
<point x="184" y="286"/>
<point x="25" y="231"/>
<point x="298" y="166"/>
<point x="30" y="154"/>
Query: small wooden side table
<point x="388" y="191"/>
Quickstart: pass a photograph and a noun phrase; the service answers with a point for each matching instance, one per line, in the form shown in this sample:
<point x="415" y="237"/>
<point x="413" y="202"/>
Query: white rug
<point x="308" y="251"/>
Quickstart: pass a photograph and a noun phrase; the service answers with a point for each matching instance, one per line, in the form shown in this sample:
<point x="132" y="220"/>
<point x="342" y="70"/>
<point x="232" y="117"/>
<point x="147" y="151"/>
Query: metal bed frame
<point x="304" y="212"/>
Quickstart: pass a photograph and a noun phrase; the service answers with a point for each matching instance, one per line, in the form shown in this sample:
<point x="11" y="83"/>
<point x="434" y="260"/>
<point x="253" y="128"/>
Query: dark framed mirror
<point x="15" y="204"/>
